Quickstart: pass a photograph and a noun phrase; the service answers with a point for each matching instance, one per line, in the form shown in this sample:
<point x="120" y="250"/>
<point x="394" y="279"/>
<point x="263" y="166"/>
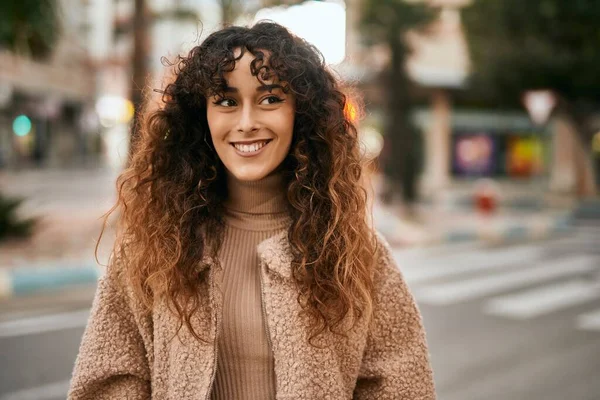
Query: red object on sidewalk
<point x="486" y="198"/>
<point x="485" y="203"/>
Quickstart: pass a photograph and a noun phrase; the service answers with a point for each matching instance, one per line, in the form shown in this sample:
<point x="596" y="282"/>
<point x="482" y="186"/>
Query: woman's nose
<point x="247" y="122"/>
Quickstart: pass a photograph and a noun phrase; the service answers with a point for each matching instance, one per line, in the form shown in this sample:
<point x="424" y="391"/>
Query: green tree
<point x="520" y="45"/>
<point x="29" y="27"/>
<point x="389" y="21"/>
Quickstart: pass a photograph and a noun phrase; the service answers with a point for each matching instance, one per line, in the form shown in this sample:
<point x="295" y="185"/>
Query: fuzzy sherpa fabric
<point x="125" y="355"/>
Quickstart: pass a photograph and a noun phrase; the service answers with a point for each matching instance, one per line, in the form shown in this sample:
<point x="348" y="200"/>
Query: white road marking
<point x="589" y="321"/>
<point x="413" y="253"/>
<point x="44" y="323"/>
<point x="419" y="272"/>
<point x="545" y="300"/>
<point x="44" y="392"/>
<point x="468" y="289"/>
<point x="25" y="314"/>
<point x="566" y="241"/>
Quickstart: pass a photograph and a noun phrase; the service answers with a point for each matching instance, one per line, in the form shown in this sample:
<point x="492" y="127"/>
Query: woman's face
<point x="252" y="126"/>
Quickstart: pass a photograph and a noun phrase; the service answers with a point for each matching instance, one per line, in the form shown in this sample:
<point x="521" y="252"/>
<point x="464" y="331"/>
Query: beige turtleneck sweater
<point x="255" y="211"/>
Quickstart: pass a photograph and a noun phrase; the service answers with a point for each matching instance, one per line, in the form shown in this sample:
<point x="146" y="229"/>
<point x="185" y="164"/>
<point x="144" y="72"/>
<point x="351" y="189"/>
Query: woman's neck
<point x="265" y="196"/>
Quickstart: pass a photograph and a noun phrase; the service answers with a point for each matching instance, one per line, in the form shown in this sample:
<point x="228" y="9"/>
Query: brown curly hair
<point x="176" y="183"/>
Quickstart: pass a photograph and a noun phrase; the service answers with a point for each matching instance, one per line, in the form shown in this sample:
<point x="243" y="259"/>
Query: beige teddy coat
<point x="125" y="355"/>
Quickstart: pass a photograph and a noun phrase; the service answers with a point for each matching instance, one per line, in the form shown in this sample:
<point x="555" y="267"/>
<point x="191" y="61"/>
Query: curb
<point x="530" y="203"/>
<point x="492" y="233"/>
<point x="28" y="280"/>
<point x="516" y="201"/>
<point x="510" y="232"/>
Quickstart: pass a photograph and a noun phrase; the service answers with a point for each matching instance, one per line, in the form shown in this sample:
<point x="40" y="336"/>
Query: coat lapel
<point x="276" y="254"/>
<point x="274" y="251"/>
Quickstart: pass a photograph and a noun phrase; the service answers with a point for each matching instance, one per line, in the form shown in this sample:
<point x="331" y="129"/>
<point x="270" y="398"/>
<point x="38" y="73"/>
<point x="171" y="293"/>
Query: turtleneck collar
<point x="257" y="205"/>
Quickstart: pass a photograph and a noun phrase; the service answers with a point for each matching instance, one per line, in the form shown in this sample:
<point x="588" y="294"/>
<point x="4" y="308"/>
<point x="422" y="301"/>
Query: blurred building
<point x="73" y="109"/>
<point x="462" y="145"/>
<point x="43" y="103"/>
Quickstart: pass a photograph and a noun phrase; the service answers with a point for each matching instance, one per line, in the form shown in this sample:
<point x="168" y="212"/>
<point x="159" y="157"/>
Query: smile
<point x="247" y="150"/>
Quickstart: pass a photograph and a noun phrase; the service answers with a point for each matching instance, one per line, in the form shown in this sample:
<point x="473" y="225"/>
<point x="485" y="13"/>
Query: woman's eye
<point x="225" y="102"/>
<point x="271" y="100"/>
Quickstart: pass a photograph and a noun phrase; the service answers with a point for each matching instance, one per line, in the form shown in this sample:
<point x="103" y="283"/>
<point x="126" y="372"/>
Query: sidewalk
<point x="525" y="211"/>
<point x="435" y="226"/>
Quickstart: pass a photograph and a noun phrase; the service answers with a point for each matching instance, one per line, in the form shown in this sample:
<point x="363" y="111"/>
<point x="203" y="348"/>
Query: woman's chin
<point x="249" y="175"/>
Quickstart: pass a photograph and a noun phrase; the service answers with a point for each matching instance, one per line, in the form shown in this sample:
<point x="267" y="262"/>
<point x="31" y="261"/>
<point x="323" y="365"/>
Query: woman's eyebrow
<point x="268" y="88"/>
<point x="262" y="88"/>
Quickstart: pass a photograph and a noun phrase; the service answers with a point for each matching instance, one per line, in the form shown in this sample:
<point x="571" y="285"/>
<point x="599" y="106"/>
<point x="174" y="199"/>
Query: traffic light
<point x="22" y="125"/>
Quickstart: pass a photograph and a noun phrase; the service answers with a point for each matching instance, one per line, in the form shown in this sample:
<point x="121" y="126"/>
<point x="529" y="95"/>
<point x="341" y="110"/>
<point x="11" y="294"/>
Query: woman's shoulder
<point x="384" y="258"/>
<point x="387" y="272"/>
<point x="393" y="298"/>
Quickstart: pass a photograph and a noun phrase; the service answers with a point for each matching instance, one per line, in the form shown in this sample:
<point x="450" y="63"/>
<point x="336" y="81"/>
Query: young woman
<point x="244" y="266"/>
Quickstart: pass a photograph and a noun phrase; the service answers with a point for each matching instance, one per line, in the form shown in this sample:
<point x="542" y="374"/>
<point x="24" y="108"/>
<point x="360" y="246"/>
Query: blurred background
<point x="480" y="120"/>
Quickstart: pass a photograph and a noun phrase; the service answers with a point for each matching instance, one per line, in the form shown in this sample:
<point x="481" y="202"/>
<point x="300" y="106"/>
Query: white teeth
<point x="245" y="148"/>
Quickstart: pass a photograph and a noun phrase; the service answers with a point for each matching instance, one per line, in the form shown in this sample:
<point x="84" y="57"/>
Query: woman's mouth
<point x="251" y="149"/>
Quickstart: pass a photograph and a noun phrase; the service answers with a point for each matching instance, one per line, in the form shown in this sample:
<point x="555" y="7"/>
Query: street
<point x="498" y="331"/>
<point x="515" y="322"/>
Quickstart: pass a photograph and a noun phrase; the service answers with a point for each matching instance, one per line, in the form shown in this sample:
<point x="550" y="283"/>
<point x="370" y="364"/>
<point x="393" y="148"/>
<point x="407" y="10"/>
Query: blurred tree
<point x="29" y="27"/>
<point x="140" y="26"/>
<point x="230" y="10"/>
<point x="11" y="225"/>
<point x="388" y="22"/>
<point x="521" y="45"/>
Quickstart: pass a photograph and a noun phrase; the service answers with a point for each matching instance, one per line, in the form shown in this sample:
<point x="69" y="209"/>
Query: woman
<point x="244" y="266"/>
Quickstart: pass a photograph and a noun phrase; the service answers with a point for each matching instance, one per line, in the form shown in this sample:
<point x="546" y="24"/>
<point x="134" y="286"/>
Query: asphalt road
<point x="512" y="322"/>
<point x="525" y="339"/>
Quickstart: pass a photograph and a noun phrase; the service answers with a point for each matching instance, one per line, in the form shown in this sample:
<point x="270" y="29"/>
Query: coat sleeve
<point x="112" y="362"/>
<point x="395" y="362"/>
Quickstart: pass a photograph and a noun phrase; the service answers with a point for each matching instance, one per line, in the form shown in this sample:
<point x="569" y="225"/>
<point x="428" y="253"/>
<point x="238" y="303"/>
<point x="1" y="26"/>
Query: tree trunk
<point x="141" y="52"/>
<point x="401" y="163"/>
<point x="579" y="121"/>
<point x="228" y="11"/>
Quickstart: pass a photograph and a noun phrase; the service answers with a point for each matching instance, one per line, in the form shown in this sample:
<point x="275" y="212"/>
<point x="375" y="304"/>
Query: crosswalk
<point x="518" y="282"/>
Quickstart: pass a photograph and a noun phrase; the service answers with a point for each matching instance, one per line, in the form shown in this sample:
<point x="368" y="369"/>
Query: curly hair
<point x="175" y="183"/>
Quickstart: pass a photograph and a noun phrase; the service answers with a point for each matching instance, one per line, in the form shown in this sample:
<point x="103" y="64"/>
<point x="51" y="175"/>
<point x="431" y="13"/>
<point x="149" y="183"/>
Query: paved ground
<point x="519" y="322"/>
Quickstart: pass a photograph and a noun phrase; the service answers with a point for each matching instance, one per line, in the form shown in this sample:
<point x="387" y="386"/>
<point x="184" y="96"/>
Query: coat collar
<point x="274" y="252"/>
